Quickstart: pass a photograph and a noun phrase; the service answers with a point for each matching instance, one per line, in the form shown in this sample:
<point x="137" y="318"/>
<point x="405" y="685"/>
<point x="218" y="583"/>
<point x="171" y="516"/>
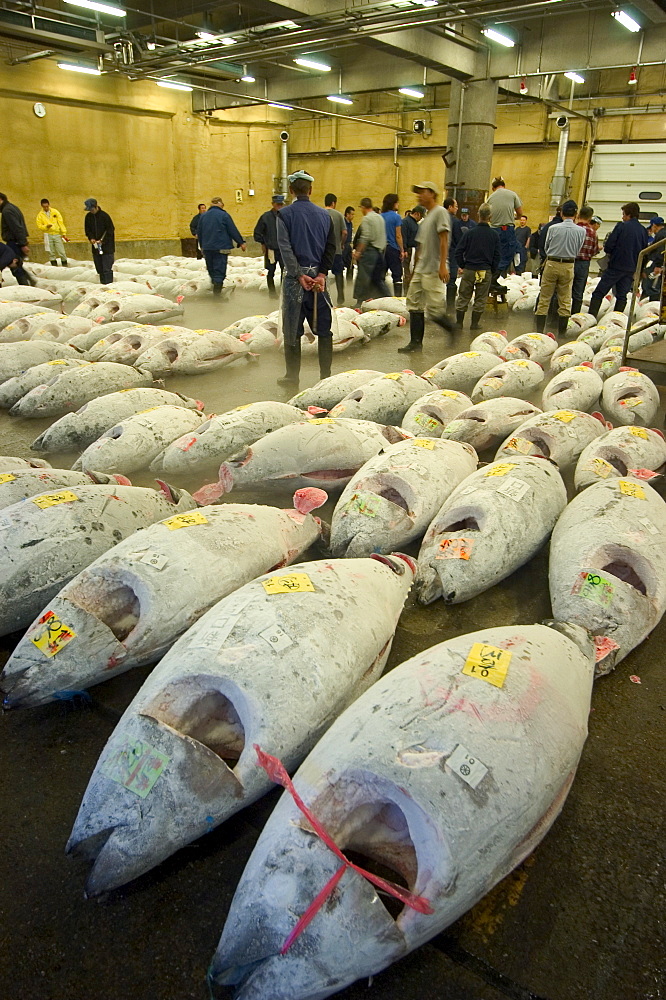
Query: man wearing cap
<point x="523" y="233"/>
<point x="588" y="250"/>
<point x="623" y="246"/>
<point x="506" y="208"/>
<point x="217" y="235"/>
<point x="562" y="246"/>
<point x="101" y="234"/>
<point x="368" y="253"/>
<point x="431" y="269"/>
<point x="465" y="221"/>
<point x="307" y="245"/>
<point x="265" y="233"/>
<point x="654" y="263"/>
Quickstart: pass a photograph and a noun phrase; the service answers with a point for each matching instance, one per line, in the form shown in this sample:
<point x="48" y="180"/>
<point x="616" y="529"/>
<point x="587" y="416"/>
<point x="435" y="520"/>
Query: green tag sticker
<point x="594" y="587"/>
<point x="364" y="503"/>
<point x="425" y="421"/>
<point x="136" y="766"/>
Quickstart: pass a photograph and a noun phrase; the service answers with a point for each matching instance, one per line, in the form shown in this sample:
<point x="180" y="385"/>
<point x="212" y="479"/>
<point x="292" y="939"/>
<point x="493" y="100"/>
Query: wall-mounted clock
<point x="39" y="109"/>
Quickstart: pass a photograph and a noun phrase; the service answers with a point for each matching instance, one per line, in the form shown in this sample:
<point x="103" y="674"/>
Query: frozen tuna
<point x="51" y="326"/>
<point x="420" y="775"/>
<point x="75" y="431"/>
<point x="137" y="440"/>
<point x="570" y="355"/>
<point x="486" y="425"/>
<point x="537" y="347"/>
<point x="607" y="558"/>
<point x="511" y="378"/>
<point x="129" y="606"/>
<point x="17" y="358"/>
<point x="51" y="537"/>
<point x="577" y="388"/>
<point x="579" y="323"/>
<point x="559" y="435"/>
<point x="224" y="435"/>
<point x="14" y="388"/>
<point x="385" y="399"/>
<point x="428" y="416"/>
<point x="322" y="452"/>
<point x="87" y="341"/>
<point x="205" y="351"/>
<point x="270" y="664"/>
<point x="620" y="452"/>
<point x="25" y="482"/>
<point x="495" y="342"/>
<point x="608" y="361"/>
<point x="489" y="527"/>
<point x="31" y="295"/>
<point x="139" y="308"/>
<point x="630" y="398"/>
<point x="390" y="304"/>
<point x="125" y="346"/>
<point x="76" y="386"/>
<point x="11" y="311"/>
<point x="329" y="391"/>
<point x="378" y="322"/>
<point x="461" y="371"/>
<point x="393" y="498"/>
<point x="8" y="463"/>
<point x="23" y="328"/>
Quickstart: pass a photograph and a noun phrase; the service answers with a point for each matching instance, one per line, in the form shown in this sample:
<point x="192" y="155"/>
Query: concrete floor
<point x="579" y="920"/>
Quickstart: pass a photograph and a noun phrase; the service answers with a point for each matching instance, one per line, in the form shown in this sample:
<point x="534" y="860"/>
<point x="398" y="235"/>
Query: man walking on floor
<point x="340" y="234"/>
<point x="562" y="246"/>
<point x="523" y="233"/>
<point x="410" y="228"/>
<point x="194" y="227"/>
<point x="265" y="233"/>
<point x="51" y="223"/>
<point x="394" y="254"/>
<point x="588" y="250"/>
<point x="623" y="246"/>
<point x="369" y="255"/>
<point x="505" y="208"/>
<point x="15" y="234"/>
<point x="101" y="235"/>
<point x="431" y="269"/>
<point x="451" y="206"/>
<point x="307" y="244"/>
<point x="217" y="235"/>
<point x="477" y="255"/>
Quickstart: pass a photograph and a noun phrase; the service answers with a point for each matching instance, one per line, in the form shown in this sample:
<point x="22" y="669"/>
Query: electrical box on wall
<point x="239" y="194"/>
<point x="250" y="192"/>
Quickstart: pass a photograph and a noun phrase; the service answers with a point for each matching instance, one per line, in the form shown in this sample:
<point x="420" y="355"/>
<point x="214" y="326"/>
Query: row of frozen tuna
<point x="375" y="781"/>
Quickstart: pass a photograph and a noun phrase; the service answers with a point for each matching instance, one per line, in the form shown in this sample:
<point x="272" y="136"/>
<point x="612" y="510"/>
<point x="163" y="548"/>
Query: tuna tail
<point x="213" y="491"/>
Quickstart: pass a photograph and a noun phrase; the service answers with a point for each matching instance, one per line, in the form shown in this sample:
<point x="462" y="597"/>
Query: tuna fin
<point x="309" y="498"/>
<point x="213" y="491"/>
<point x="169" y="492"/>
<point x="655" y="429"/>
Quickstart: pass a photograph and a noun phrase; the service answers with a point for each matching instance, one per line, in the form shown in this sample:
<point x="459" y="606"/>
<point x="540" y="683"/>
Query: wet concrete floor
<point x="581" y="919"/>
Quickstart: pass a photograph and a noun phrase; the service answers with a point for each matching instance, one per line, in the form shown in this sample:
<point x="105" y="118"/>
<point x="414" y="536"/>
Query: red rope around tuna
<point x="275" y="770"/>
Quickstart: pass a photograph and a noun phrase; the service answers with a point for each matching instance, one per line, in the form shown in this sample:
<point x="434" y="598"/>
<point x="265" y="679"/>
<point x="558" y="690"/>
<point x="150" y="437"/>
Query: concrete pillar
<point x="471" y="136"/>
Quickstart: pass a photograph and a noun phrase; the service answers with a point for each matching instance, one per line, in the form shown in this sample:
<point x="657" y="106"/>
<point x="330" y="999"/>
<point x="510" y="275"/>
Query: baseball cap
<point x="89" y="203"/>
<point x="569" y="207"/>
<point x="278" y="199"/>
<point x="430" y="185"/>
<point x="657" y="221"/>
<point x="464" y="211"/>
<point x="300" y="175"/>
<point x="596" y="219"/>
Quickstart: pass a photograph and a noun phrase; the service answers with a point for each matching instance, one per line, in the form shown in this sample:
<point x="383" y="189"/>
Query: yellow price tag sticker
<point x="166" y="329"/>
<point x="244" y="406"/>
<point x="472" y="354"/>
<point x="535" y="336"/>
<point x="321" y="420"/>
<point x="521" y="364"/>
<point x="632" y="489"/>
<point x="601" y="468"/>
<point x="450" y="393"/>
<point x="151" y="409"/>
<point x="501" y="469"/>
<point x="519" y="444"/>
<point x="192" y="517"/>
<point x="290" y="583"/>
<point x="430" y="373"/>
<point x="58" y="361"/>
<point x="488" y="663"/>
<point x="632" y="402"/>
<point x="352" y="371"/>
<point x="566" y="416"/>
<point x="52" y="634"/>
<point x="455" y="548"/>
<point x="53" y="499"/>
<point x="7" y="477"/>
<point x="639" y="432"/>
<point x="424" y="443"/>
<point x="615" y="348"/>
<point x="394" y="375"/>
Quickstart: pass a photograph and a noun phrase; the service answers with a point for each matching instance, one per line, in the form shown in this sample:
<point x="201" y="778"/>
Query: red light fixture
<point x="523" y="86"/>
<point x="633" y="79"/>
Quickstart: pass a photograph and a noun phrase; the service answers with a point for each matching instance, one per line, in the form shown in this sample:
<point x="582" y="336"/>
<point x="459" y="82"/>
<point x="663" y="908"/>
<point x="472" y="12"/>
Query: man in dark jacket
<point x="265" y="233"/>
<point x="477" y="256"/>
<point x="101" y="233"/>
<point x="623" y="246"/>
<point x="410" y="228"/>
<point x="8" y="258"/>
<point x="451" y="205"/>
<point x="194" y="227"/>
<point x="217" y="235"/>
<point x="15" y="235"/>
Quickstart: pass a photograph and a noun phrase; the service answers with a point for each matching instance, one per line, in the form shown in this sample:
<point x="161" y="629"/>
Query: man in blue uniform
<point x="307" y="245"/>
<point x="265" y="233"/>
<point x="194" y="226"/>
<point x="623" y="246"/>
<point x="217" y="234"/>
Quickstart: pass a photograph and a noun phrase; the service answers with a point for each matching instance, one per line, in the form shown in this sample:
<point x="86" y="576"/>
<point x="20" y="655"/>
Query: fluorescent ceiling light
<point x="247" y="78"/>
<point x="287" y="107"/>
<point x="339" y="99"/>
<point x="626" y="21"/>
<point x="429" y="3"/>
<point x="206" y="36"/>
<point x="227" y="40"/>
<point x="312" y="64"/>
<point x="172" y="85"/>
<point x="103" y="8"/>
<point x="91" y="70"/>
<point x="275" y="26"/>
<point x="497" y="36"/>
<point x="575" y="77"/>
<point x="411" y="92"/>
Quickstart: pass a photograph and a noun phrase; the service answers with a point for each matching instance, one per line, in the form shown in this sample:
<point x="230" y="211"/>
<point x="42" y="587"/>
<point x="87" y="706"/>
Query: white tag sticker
<point x="651" y="528"/>
<point x="4" y="523"/>
<point x="218" y="632"/>
<point x="155" y="559"/>
<point x="467" y="767"/>
<point x="277" y="638"/>
<point x="514" y="488"/>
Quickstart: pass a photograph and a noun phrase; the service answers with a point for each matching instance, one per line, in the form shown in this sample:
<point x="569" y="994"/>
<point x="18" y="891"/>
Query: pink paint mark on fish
<point x="309" y="498"/>
<point x="643" y="473"/>
<point x="603" y="647"/>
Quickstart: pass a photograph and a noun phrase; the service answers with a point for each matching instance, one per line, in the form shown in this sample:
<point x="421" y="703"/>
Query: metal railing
<point x="634" y="293"/>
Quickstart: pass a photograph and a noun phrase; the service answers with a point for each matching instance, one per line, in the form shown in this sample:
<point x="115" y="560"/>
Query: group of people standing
<point x="15" y="246"/>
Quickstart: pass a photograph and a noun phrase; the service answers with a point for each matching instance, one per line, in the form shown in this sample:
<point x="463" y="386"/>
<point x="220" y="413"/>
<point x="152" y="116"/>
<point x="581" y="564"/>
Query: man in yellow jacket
<point x="50" y="222"/>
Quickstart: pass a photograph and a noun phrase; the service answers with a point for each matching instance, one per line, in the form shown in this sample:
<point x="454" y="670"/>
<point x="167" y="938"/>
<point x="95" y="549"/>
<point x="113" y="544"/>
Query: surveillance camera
<point x="562" y="121"/>
<point x="284" y="136"/>
<point x="419" y="126"/>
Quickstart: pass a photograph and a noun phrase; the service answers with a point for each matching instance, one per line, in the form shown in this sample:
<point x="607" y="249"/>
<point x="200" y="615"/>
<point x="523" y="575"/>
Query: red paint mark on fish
<point x="603" y="646"/>
<point x="309" y="498"/>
